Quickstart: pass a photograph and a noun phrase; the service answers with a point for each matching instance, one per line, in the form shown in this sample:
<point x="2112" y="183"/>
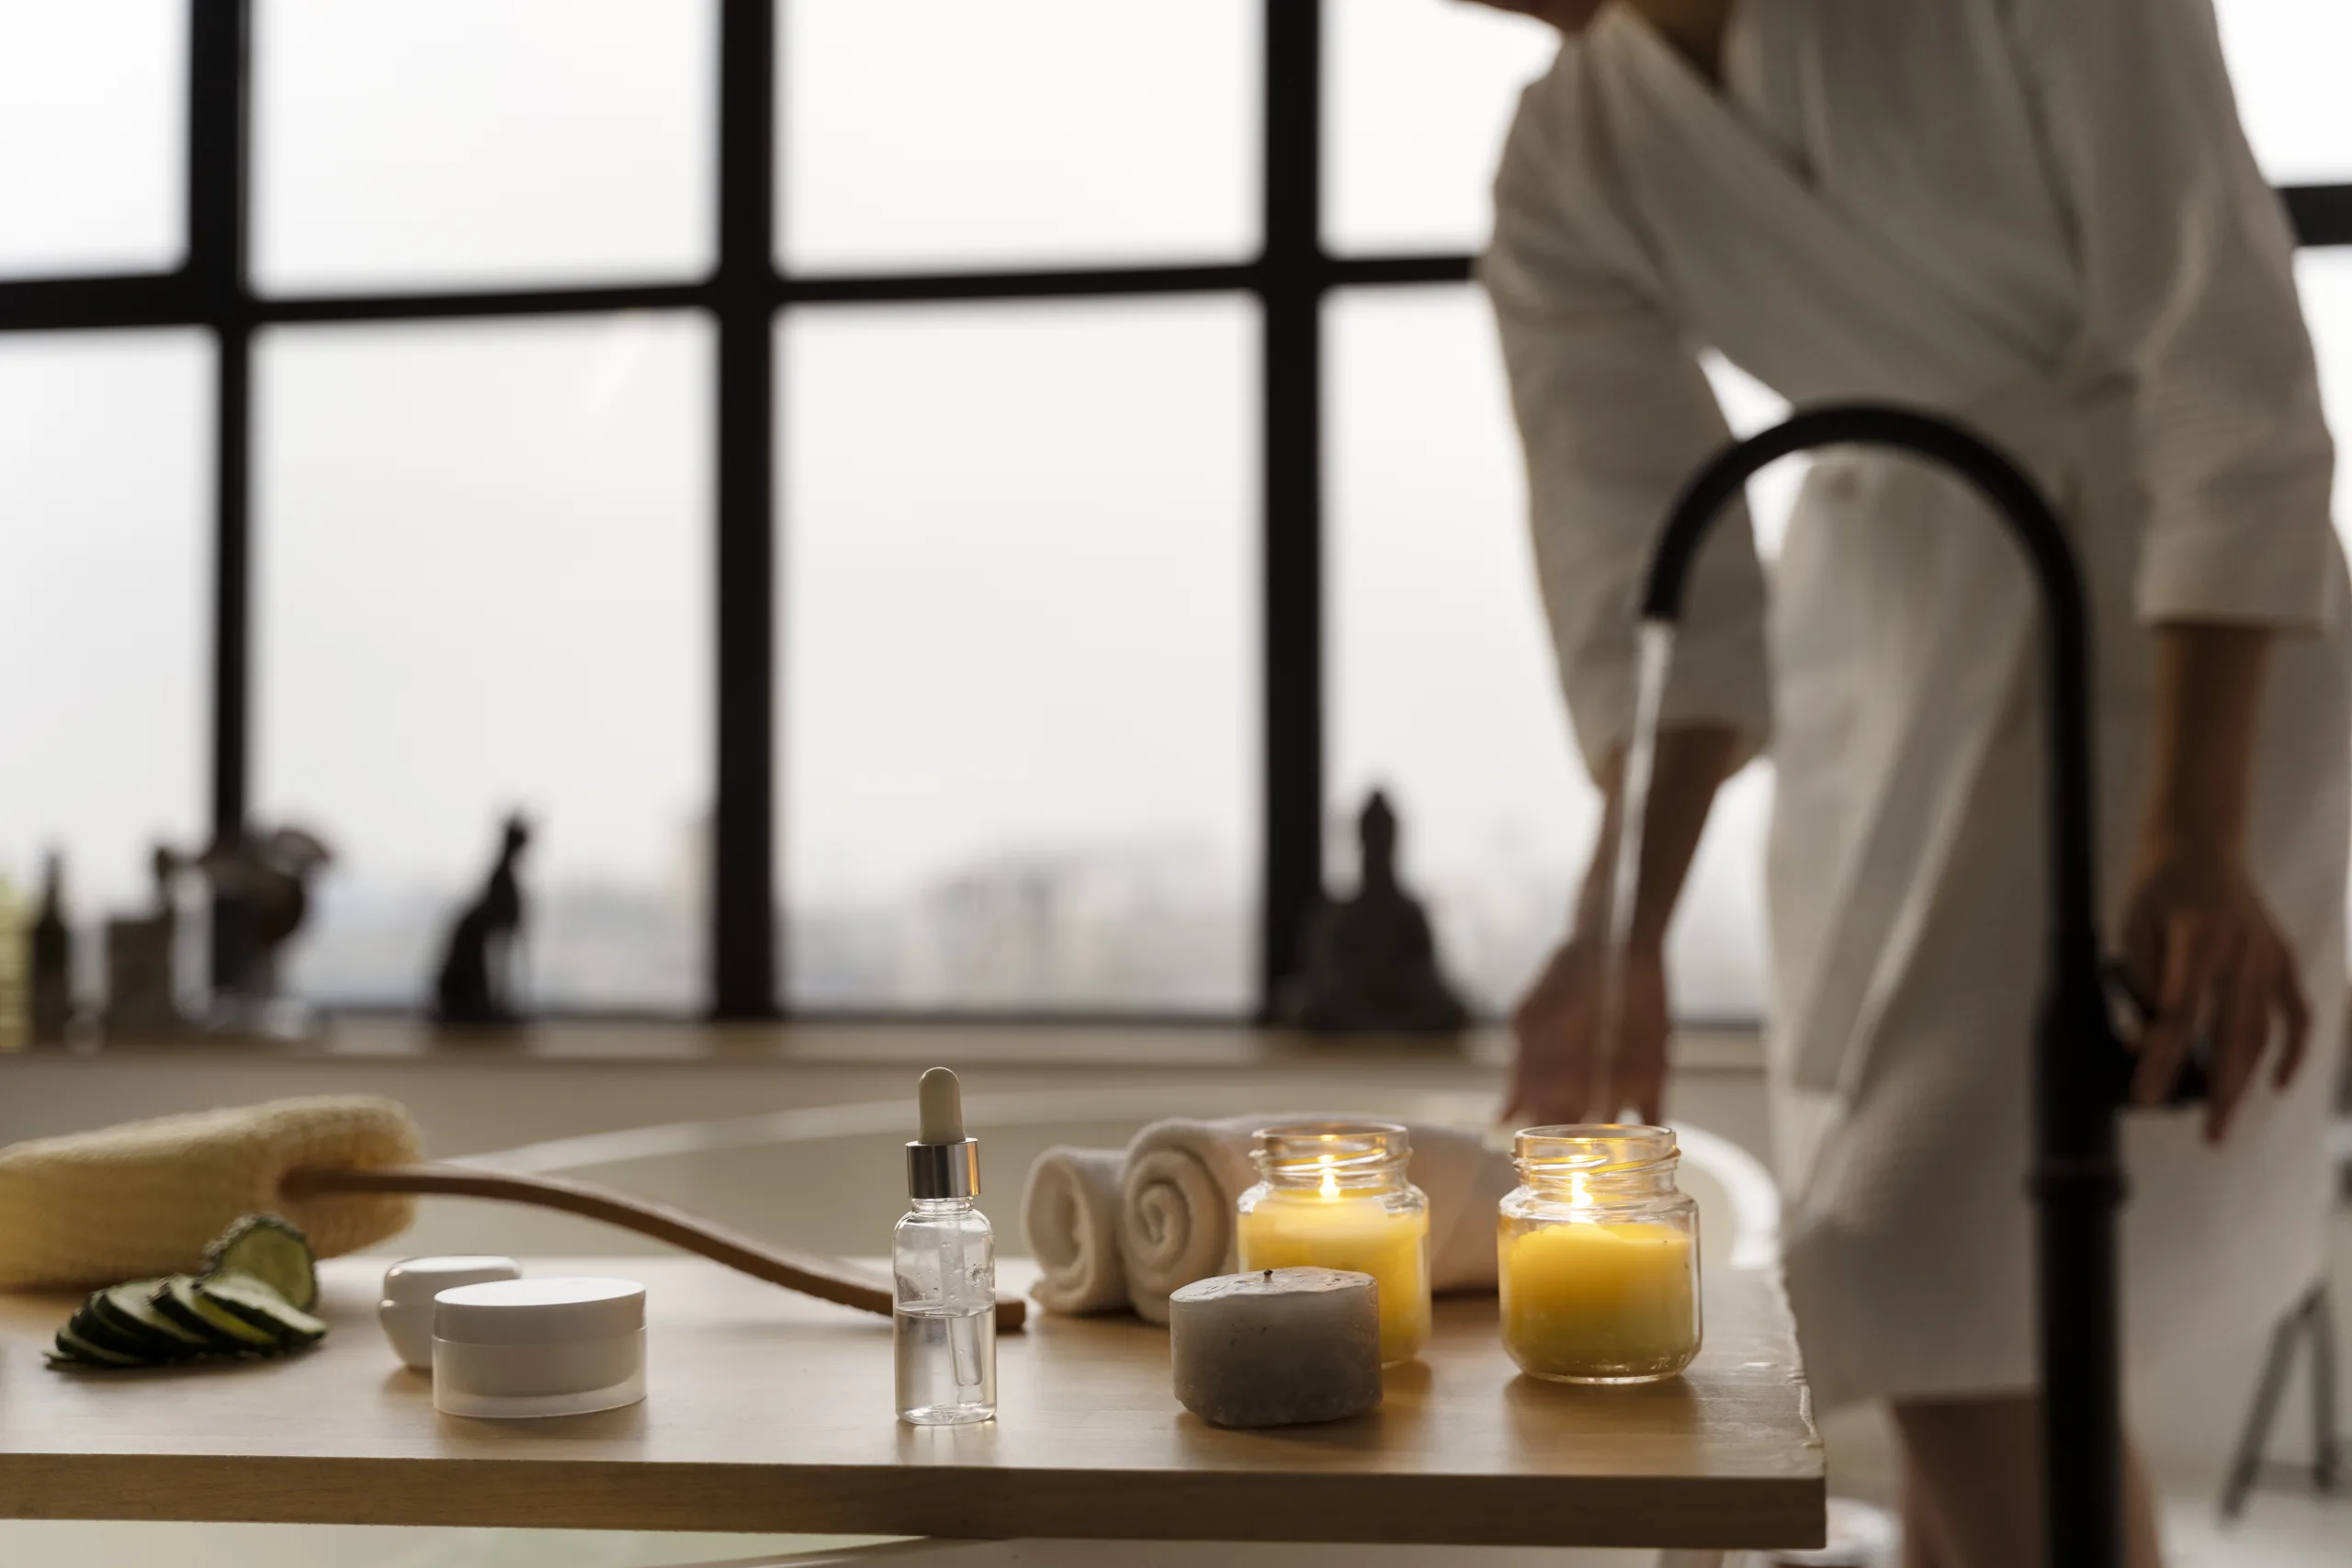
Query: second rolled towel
<point x="1176" y="1204"/>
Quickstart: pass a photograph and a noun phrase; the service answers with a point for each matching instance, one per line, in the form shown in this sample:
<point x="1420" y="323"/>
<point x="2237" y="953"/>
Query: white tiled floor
<point x="2278" y="1532"/>
<point x="2285" y="1526"/>
<point x="2189" y="1424"/>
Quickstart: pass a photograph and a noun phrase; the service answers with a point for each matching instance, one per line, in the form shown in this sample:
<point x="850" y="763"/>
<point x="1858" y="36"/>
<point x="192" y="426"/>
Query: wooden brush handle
<point x="826" y="1278"/>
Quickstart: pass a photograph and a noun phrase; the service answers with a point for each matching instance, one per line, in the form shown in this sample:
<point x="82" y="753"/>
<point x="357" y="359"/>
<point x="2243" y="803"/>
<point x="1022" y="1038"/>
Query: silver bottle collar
<point x="944" y="1170"/>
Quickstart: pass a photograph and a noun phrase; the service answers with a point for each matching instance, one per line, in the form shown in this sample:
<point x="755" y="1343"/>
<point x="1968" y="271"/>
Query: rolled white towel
<point x="1069" y="1210"/>
<point x="1183" y="1177"/>
<point x="1176" y="1204"/>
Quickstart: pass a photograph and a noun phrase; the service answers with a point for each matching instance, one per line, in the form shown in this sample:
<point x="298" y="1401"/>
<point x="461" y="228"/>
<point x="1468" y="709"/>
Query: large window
<point x="926" y="505"/>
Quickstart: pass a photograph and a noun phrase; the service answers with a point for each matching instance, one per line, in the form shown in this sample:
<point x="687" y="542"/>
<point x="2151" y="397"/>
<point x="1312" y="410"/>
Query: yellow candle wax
<point x="1589" y="1301"/>
<point x="1360" y="1235"/>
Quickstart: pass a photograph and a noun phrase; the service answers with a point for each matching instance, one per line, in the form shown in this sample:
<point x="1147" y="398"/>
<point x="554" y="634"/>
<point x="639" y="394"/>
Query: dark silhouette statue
<point x="53" y="959"/>
<point x="1371" y="962"/>
<point x="477" y="980"/>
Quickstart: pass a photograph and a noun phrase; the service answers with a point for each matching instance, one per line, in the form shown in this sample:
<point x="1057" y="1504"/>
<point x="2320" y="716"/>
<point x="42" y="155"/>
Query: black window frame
<point x="744" y="296"/>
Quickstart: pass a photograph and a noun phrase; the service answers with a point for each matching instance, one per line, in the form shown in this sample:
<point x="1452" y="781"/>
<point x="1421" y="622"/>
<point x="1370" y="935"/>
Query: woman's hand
<point x="2198" y="939"/>
<point x="2203" y="948"/>
<point x="1559" y="1076"/>
<point x="1565" y="1072"/>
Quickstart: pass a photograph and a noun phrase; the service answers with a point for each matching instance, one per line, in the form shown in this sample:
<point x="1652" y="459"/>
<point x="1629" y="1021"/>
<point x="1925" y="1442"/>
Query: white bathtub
<point x="833" y="1178"/>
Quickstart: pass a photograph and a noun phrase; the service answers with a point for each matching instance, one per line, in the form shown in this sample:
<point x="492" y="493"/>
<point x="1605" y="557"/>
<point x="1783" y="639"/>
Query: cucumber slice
<point x="91" y="1330"/>
<point x="254" y="1304"/>
<point x="152" y="1322"/>
<point x="271" y="1250"/>
<point x="129" y="1311"/>
<point x="75" y="1350"/>
<point x="223" y="1330"/>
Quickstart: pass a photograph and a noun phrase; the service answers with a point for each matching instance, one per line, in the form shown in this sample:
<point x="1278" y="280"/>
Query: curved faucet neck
<point x="2077" y="1178"/>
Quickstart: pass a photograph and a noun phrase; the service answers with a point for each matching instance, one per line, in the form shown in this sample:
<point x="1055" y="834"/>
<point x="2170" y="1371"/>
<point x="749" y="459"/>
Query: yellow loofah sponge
<point x="131" y="1201"/>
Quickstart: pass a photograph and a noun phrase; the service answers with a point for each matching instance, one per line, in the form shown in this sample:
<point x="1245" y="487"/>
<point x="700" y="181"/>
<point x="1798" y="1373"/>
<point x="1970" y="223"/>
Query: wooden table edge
<point x="973" y="1503"/>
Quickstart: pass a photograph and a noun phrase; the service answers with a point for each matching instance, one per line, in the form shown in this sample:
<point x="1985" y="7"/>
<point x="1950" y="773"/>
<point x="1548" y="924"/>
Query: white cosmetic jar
<point x="410" y="1285"/>
<point x="528" y="1348"/>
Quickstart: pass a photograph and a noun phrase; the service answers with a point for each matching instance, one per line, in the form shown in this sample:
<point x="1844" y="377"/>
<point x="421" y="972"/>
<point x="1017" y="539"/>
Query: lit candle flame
<point x="1578" y="1197"/>
<point x="1330" y="1179"/>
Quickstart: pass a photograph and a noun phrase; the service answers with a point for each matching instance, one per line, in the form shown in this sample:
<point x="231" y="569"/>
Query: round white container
<point x="529" y="1347"/>
<point x="410" y="1285"/>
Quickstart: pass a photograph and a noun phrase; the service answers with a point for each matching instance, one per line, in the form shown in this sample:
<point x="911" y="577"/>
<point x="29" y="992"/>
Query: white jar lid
<point x="414" y="1282"/>
<point x="538" y="1311"/>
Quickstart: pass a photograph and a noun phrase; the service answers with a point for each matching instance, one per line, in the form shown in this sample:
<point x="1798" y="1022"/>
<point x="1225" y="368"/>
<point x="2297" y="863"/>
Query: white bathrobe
<point x="2040" y="216"/>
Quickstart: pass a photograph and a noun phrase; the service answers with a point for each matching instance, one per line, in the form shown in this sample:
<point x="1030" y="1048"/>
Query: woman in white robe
<point x="2041" y="217"/>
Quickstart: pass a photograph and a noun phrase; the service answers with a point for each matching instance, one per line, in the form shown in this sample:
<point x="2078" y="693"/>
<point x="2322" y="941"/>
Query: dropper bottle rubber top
<point x="941" y="1162"/>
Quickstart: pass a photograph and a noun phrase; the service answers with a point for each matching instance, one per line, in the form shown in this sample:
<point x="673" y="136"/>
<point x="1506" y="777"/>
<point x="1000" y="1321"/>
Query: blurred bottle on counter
<point x="16" y="999"/>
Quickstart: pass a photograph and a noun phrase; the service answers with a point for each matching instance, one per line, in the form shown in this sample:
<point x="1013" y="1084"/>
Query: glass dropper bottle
<point x="942" y="1258"/>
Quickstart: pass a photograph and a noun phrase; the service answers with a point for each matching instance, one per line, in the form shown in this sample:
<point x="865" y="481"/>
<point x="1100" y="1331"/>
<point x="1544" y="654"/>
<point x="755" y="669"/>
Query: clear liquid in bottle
<point x="946" y="1365"/>
<point x="944" y="1322"/>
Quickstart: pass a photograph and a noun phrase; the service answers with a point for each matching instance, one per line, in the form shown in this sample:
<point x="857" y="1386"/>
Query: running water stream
<point x="1657" y="653"/>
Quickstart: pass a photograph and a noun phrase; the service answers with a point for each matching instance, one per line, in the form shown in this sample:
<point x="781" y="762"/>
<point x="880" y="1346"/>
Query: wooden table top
<point x="768" y="1412"/>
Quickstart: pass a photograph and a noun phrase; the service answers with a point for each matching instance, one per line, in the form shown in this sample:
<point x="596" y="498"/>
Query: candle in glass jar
<point x="1360" y="1235"/>
<point x="1600" y="1302"/>
<point x="1597" y="1254"/>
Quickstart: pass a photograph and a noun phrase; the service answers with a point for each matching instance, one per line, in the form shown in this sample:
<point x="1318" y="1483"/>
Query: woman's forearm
<point x="1692" y="763"/>
<point x="2209" y="700"/>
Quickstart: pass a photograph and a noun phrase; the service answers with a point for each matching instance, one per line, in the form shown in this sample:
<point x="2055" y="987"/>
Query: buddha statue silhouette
<point x="1369" y="962"/>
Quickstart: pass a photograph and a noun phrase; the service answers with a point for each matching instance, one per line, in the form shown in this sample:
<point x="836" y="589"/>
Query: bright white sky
<point x="105" y="469"/>
<point x="482" y="581"/>
<point x="483" y="549"/>
<point x="1019" y="588"/>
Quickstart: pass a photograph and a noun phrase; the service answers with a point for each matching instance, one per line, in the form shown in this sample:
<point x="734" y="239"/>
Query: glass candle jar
<point x="1599" y="1256"/>
<point x="1333" y="1195"/>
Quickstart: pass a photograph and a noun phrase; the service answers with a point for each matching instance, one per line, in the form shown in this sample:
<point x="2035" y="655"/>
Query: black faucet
<point x="2078" y="1182"/>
